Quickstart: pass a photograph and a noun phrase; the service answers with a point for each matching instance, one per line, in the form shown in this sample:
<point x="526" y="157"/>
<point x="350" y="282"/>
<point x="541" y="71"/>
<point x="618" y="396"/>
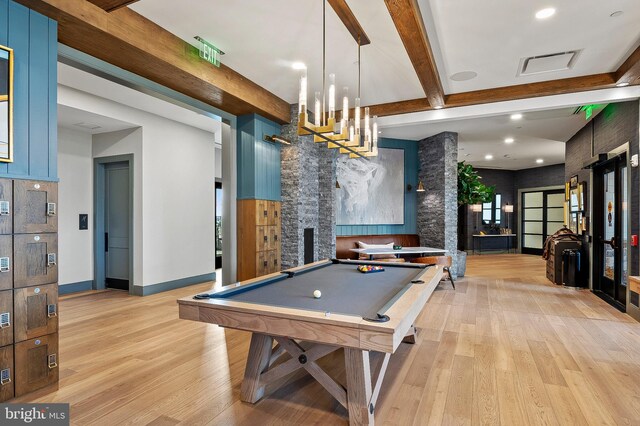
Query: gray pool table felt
<point x="344" y="289"/>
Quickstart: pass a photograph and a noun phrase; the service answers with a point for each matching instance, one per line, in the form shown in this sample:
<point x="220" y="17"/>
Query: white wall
<point x="75" y="247"/>
<point x="173" y="188"/>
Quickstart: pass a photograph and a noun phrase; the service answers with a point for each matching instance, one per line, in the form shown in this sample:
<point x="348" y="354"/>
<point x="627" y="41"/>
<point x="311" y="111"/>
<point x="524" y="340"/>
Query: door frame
<point x="620" y="150"/>
<point x="99" y="173"/>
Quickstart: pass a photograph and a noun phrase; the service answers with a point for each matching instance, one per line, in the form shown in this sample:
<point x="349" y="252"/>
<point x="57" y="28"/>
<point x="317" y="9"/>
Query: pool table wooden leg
<point x="257" y="361"/>
<point x="359" y="390"/>
<point x="411" y="336"/>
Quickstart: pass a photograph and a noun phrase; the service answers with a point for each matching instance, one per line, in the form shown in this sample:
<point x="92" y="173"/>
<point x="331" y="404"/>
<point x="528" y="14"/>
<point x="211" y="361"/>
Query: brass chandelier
<point x="349" y="135"/>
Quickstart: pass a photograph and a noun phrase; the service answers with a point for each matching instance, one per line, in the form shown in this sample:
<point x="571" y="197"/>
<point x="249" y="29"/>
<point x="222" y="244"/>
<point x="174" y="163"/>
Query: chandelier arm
<point x="324" y="58"/>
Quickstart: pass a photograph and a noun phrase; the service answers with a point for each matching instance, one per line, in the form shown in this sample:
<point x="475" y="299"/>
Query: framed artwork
<point x="574" y="181"/>
<point x="6" y="104"/>
<point x="371" y="192"/>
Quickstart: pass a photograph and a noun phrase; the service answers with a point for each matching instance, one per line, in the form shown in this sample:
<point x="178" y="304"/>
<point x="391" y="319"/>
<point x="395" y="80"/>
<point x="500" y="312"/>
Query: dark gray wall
<point x="507" y="183"/>
<point x="615" y="125"/>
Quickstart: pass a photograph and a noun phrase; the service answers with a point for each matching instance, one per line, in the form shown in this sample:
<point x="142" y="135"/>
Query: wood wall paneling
<point x="410" y="198"/>
<point x="6" y="307"/>
<point x="34" y="40"/>
<point x="258" y="160"/>
<point x="6" y="362"/>
<point x="32" y="368"/>
<point x="6" y="250"/>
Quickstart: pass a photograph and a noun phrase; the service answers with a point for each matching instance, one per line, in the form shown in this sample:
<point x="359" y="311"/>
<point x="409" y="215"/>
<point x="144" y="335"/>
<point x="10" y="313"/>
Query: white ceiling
<point x="89" y="122"/>
<point x="539" y="134"/>
<point x="262" y="39"/>
<point x="86" y="82"/>
<point x="491" y="37"/>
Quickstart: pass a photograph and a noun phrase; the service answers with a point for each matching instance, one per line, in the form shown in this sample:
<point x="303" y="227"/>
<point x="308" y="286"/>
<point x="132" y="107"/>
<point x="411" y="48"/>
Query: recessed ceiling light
<point x="380" y="132"/>
<point x="616" y="13"/>
<point x="623" y="84"/>
<point x="298" y="66"/>
<point x="437" y="107"/>
<point x="539" y="161"/>
<point x="517" y="116"/>
<point x="488" y="157"/>
<point x="545" y="13"/>
<point x="463" y="75"/>
<point x="508" y="140"/>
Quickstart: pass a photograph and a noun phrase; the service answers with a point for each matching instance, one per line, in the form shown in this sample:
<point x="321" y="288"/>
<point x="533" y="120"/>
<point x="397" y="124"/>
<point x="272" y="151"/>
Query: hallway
<point x="507" y="347"/>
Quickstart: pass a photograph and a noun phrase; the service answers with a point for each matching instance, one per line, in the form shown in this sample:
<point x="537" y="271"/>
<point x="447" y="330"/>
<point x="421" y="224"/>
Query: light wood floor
<point x="506" y="348"/>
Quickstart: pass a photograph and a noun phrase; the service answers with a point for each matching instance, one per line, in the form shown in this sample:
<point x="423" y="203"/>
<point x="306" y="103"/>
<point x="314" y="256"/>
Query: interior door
<point x="218" y="217"/>
<point x="116" y="225"/>
<point x="610" y="231"/>
<point x="542" y="215"/>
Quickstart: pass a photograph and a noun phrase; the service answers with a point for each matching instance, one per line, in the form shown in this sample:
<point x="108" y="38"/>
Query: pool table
<point x="367" y="314"/>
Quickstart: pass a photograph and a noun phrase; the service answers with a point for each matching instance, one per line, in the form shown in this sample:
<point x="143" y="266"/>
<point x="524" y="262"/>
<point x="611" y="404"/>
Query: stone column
<point x="327" y="202"/>
<point x="438" y="205"/>
<point x="308" y="195"/>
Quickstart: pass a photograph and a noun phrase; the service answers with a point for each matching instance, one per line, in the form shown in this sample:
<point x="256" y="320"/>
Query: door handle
<point x="106" y="242"/>
<point x="611" y="242"/>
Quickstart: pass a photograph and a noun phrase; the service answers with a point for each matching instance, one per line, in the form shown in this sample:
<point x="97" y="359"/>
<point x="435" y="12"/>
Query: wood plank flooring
<point x="507" y="347"/>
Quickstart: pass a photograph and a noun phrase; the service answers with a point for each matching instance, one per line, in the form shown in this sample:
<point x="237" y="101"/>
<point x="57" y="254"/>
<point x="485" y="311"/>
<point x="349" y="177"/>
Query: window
<point x="491" y="211"/>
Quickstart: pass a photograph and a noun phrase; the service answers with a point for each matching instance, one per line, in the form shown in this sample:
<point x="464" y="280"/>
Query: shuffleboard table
<point x="364" y="313"/>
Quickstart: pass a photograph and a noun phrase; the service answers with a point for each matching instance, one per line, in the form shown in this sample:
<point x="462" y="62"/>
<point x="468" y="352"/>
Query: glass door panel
<point x="609" y="258"/>
<point x="610" y="231"/>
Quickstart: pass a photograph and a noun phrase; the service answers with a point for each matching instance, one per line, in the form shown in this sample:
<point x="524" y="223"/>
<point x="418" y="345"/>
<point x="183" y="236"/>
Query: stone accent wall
<point x="308" y="195"/>
<point x="438" y="205"/>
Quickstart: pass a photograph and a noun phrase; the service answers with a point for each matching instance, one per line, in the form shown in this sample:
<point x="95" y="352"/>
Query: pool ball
<point x="317" y="294"/>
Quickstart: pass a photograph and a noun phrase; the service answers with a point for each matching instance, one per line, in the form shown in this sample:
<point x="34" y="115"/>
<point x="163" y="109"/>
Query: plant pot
<point x="462" y="263"/>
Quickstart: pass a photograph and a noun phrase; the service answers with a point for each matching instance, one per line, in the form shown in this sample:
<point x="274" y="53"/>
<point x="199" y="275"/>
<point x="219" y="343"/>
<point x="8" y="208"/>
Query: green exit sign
<point x="209" y="52"/>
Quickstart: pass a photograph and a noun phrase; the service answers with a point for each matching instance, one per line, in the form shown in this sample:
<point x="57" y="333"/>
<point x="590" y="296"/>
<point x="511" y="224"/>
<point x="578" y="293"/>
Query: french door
<point x="610" y="223"/>
<point x="542" y="215"/>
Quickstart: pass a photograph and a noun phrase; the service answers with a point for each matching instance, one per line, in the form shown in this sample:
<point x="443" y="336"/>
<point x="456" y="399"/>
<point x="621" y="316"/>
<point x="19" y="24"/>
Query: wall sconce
<point x="476" y="208"/>
<point x="337" y="184"/>
<point x="276" y="138"/>
<point x="420" y="187"/>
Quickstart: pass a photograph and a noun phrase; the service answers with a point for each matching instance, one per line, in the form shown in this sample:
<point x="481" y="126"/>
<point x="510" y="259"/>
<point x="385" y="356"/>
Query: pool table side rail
<point x="337" y="329"/>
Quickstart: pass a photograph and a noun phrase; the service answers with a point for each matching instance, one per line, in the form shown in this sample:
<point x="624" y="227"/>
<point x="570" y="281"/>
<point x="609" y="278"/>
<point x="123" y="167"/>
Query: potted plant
<point x="471" y="190"/>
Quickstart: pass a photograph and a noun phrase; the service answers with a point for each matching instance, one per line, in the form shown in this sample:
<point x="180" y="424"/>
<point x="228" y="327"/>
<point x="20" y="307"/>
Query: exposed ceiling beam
<point x="408" y="21"/>
<point x="136" y="44"/>
<point x="531" y="90"/>
<point x="499" y="94"/>
<point x="349" y="20"/>
<point x="111" y="5"/>
<point x="629" y="71"/>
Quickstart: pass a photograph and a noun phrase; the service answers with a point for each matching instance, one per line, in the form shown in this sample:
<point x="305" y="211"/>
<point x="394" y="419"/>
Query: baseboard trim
<point x="146" y="290"/>
<point x="75" y="287"/>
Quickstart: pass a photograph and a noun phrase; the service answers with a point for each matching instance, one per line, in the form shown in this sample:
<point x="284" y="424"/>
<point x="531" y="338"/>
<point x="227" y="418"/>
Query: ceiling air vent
<point x="548" y="63"/>
<point x="88" y="126"/>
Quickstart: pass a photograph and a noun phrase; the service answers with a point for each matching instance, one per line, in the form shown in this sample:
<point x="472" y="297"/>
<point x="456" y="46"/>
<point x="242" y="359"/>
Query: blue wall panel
<point x="33" y="38"/>
<point x="258" y="160"/>
<point x="410" y="202"/>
